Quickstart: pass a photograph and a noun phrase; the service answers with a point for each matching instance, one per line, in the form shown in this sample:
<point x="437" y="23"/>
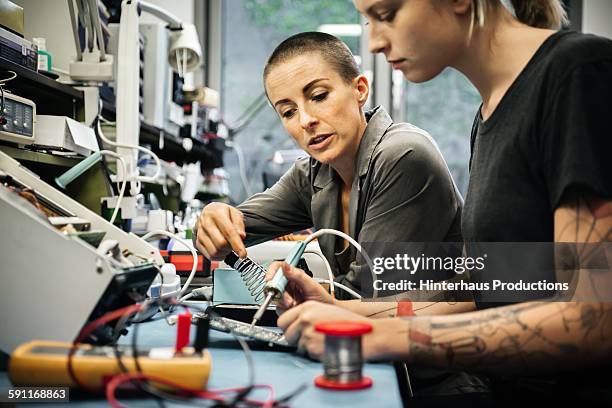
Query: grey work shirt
<point x="402" y="192"/>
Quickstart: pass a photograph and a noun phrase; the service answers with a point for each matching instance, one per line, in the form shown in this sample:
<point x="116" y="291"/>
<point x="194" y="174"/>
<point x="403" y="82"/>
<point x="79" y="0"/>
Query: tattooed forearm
<point x="529" y="337"/>
<point x="388" y="308"/>
<point x="386" y="312"/>
<point x="583" y="217"/>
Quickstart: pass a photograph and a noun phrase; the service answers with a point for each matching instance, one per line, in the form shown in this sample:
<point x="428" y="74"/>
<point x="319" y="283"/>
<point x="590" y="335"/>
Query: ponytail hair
<point x="534" y="13"/>
<point x="540" y="13"/>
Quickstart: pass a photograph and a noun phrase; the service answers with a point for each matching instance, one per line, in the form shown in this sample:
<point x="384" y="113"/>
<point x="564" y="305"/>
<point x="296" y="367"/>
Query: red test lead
<point x="182" y="331"/>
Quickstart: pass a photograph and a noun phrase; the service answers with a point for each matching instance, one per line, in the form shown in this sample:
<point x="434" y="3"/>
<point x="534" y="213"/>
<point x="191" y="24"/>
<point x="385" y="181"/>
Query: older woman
<point x="365" y="175"/>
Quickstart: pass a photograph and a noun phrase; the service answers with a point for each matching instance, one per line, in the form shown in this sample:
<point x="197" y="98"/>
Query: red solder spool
<point x="342" y="359"/>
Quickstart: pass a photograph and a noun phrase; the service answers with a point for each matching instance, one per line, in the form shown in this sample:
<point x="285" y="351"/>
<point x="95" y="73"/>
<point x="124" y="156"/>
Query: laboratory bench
<point x="285" y="371"/>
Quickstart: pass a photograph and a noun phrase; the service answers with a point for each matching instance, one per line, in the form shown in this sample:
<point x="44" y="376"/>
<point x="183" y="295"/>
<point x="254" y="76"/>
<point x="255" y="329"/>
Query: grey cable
<point x="95" y="15"/>
<point x="89" y="25"/>
<point x="75" y="33"/>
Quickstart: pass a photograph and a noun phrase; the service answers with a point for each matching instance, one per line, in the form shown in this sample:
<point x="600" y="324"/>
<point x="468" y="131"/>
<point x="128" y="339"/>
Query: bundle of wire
<point x="144" y="381"/>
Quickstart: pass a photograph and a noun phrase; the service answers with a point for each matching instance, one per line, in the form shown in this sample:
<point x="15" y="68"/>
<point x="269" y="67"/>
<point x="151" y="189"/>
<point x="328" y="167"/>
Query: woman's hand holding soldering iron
<point x="300" y="287"/>
<point x="305" y="303"/>
<point x="220" y="230"/>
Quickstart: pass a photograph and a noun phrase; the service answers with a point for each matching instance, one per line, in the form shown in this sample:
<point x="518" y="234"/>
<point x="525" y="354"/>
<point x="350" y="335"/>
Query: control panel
<point x="17" y="118"/>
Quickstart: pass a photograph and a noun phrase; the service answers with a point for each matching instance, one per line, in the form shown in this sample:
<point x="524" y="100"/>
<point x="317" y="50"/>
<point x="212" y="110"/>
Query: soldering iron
<point x="274" y="288"/>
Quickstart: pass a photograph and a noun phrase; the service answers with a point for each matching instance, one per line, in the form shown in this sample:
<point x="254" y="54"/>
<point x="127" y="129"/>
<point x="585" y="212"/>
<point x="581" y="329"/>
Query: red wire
<point x="115" y="314"/>
<point x="121" y="378"/>
<point x="116" y="381"/>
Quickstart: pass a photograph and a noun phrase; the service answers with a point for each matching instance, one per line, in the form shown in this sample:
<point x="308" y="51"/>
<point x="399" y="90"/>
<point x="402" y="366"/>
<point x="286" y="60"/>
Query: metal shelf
<point x="51" y="97"/>
<point x="173" y="149"/>
<point x="39" y="157"/>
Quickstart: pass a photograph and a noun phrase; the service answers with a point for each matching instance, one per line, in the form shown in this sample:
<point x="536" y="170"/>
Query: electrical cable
<point x="243" y="392"/>
<point x="123" y="183"/>
<point x="114" y="383"/>
<point x="241" y="396"/>
<point x="119" y="327"/>
<point x="141" y="383"/>
<point x="144" y="385"/>
<point x="185" y="298"/>
<point x="123" y="314"/>
<point x="108" y="122"/>
<point x="146" y="179"/>
<point x="243" y="344"/>
<point x="341" y="234"/>
<point x="205" y="291"/>
<point x="5" y="80"/>
<point x="341" y="286"/>
<point x="163" y="312"/>
<point x="89" y="30"/>
<point x="150" y="179"/>
<point x="248" y="355"/>
<point x="330" y="273"/>
<point x="81" y="18"/>
<point x="331" y="281"/>
<point x="96" y="128"/>
<point x="75" y="31"/>
<point x="87" y="330"/>
<point x="247" y="352"/>
<point x="191" y="249"/>
<point x="95" y="16"/>
<point x="156" y="392"/>
<point x="104" y="161"/>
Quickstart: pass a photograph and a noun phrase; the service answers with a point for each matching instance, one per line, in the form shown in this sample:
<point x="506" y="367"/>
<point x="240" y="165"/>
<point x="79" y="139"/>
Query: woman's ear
<point x="462" y="6"/>
<point x="362" y="89"/>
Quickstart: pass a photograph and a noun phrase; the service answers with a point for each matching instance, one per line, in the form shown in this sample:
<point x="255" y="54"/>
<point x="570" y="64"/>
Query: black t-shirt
<point x="551" y="131"/>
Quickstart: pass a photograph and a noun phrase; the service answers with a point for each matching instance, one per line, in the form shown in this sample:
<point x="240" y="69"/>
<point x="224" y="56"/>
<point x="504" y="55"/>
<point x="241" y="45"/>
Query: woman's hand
<point x="300" y="287"/>
<point x="220" y="230"/>
<point x="388" y="339"/>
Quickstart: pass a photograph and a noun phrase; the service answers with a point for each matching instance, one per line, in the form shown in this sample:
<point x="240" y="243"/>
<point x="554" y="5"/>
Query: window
<point x="251" y="29"/>
<point x="445" y="108"/>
